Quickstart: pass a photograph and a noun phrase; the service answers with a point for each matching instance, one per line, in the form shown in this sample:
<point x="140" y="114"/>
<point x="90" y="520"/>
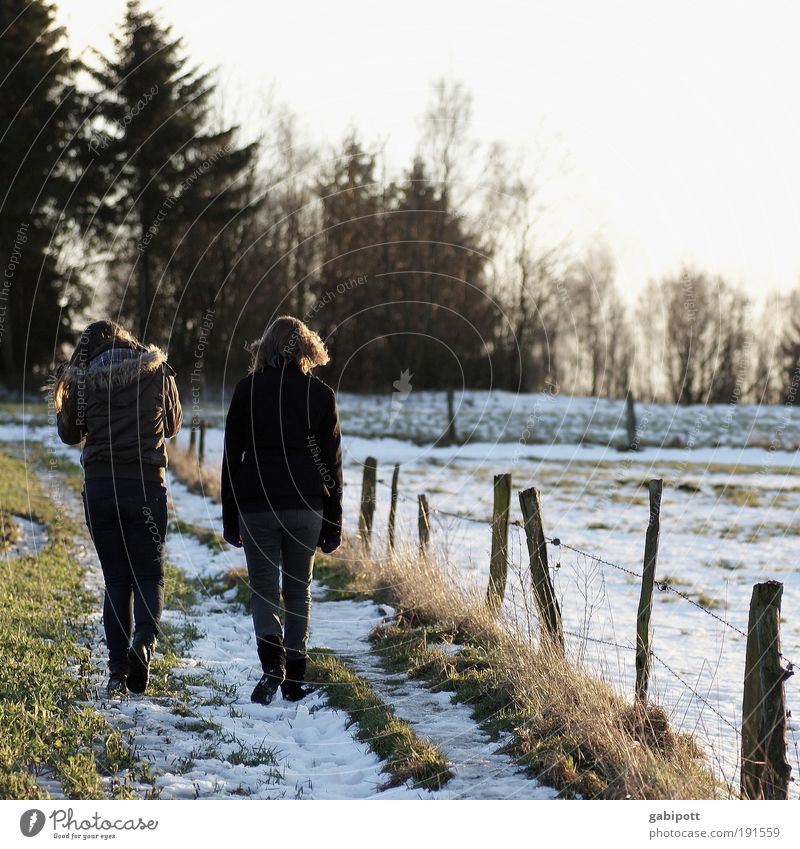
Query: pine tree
<point x="41" y="187"/>
<point x="174" y="183"/>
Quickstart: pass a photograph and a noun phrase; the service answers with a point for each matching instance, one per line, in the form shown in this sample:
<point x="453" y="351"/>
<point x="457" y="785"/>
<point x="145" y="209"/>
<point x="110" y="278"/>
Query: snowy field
<point x="729" y="519"/>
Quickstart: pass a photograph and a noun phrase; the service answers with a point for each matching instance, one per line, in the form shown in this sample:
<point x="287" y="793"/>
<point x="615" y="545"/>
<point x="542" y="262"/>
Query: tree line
<point x="124" y="193"/>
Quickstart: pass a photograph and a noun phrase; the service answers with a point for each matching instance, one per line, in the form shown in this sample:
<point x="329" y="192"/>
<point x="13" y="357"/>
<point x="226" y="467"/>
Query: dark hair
<point x="95" y="338"/>
<point x="98" y="336"/>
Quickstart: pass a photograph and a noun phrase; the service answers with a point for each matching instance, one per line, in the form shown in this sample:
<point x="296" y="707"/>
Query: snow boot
<point x="117" y="685"/>
<point x="273" y="663"/>
<point x="139" y="658"/>
<point x="292" y="687"/>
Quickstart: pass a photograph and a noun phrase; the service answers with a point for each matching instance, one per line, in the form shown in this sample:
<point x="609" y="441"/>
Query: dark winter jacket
<point x="124" y="404"/>
<point x="282" y="447"/>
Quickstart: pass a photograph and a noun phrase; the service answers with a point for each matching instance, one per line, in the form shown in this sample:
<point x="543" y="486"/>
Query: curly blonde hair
<point x="288" y="340"/>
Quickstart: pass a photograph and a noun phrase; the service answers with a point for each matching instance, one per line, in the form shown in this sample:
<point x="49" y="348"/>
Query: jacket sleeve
<point x="69" y="430"/>
<point x="173" y="412"/>
<point x="330" y="440"/>
<point x="235" y="434"/>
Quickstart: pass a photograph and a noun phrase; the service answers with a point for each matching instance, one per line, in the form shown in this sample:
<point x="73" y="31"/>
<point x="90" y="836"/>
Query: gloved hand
<point x="330" y="537"/>
<point x="329" y="544"/>
<point x="232" y="536"/>
<point x="230" y="526"/>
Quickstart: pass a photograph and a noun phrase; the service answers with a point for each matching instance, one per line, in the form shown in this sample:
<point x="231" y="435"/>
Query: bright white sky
<point x="679" y="121"/>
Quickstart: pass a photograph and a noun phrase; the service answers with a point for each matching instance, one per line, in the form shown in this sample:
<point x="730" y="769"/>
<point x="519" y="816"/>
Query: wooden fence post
<point x="644" y="632"/>
<point x="192" y="438"/>
<point x="393" y="506"/>
<point x="543" y="592"/>
<point x="452" y="436"/>
<point x="630" y="422"/>
<point x="201" y="448"/>
<point x="424" y="523"/>
<point x="498" y="565"/>
<point x="765" y="769"/>
<point x="367" y="502"/>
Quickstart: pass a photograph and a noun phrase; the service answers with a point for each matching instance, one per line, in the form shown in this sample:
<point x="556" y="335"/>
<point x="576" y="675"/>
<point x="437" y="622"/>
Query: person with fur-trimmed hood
<point x="119" y="399"/>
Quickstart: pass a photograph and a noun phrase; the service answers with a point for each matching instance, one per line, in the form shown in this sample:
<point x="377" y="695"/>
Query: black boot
<point x="139" y="658"/>
<point x="273" y="664"/>
<point x="292" y="687"/>
<point x="117" y="685"/>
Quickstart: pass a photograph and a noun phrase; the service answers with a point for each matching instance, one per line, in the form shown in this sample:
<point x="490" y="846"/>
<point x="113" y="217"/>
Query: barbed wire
<point x="663" y="586"/>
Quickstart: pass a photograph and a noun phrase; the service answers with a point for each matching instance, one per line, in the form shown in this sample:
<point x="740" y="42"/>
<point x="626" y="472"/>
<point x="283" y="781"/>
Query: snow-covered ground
<point x="217" y="744"/>
<point x="729" y="519"/>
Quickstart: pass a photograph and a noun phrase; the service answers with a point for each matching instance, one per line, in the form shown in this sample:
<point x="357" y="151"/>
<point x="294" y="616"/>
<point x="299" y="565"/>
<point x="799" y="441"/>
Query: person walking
<point x="119" y="398"/>
<point x="282" y="493"/>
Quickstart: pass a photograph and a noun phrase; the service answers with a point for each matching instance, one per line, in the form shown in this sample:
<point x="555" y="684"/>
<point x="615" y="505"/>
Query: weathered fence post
<point x="424" y="523"/>
<point x="765" y="769"/>
<point x="543" y="592"/>
<point x="201" y="447"/>
<point x="630" y="422"/>
<point x="367" y="502"/>
<point x="644" y="632"/>
<point x="452" y="436"/>
<point x="192" y="438"/>
<point x="393" y="507"/>
<point x="498" y="565"/>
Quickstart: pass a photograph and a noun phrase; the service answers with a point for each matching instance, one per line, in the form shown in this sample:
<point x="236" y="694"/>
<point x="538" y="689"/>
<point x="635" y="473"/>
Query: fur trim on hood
<point x="112" y="375"/>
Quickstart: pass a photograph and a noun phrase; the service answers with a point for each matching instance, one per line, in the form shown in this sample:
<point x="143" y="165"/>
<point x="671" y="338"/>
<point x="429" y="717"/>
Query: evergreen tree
<point x="41" y="187"/>
<point x="174" y="184"/>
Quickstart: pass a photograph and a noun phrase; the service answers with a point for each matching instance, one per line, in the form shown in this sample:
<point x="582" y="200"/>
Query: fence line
<point x="663" y="586"/>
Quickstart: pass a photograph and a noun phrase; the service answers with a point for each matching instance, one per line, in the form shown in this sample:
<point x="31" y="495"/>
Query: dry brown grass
<point x="202" y="480"/>
<point x="569" y="728"/>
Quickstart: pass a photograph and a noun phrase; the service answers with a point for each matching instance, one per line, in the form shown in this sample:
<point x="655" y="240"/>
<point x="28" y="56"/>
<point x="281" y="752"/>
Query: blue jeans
<point x="127" y="519"/>
<point x="279" y="547"/>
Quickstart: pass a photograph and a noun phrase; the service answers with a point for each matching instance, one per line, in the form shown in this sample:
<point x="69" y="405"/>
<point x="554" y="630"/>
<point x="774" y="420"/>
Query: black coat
<point x="282" y="446"/>
<point x="124" y="407"/>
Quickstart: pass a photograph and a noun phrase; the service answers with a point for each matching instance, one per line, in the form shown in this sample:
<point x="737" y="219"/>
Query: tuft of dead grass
<point x="570" y="729"/>
<point x="201" y="480"/>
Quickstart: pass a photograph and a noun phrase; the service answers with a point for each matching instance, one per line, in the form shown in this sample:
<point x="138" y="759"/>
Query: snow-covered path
<point x="479" y="772"/>
<point x="211" y="742"/>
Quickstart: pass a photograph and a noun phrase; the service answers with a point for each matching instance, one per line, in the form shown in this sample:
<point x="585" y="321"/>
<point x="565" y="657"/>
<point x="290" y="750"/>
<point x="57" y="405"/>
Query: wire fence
<point x="663" y="586"/>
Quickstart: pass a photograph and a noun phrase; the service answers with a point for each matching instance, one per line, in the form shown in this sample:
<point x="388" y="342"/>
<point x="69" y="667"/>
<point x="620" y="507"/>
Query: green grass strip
<point x="45" y="634"/>
<point x="408" y="757"/>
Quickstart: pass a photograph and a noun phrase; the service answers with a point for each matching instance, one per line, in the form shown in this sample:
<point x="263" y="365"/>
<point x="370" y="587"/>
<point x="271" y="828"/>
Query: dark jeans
<point x="127" y="519"/>
<point x="279" y="547"/>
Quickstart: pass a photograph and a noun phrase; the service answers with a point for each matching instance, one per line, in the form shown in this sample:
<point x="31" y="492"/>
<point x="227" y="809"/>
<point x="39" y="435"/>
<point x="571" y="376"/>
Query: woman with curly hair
<point x="119" y="399"/>
<point x="282" y="493"/>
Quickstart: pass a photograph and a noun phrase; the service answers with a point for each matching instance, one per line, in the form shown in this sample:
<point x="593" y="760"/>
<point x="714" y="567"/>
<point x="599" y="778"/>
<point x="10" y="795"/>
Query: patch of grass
<point x="408" y="757"/>
<point x="551" y="747"/>
<point x="570" y="729"/>
<point x="206" y="536"/>
<point x="201" y="480"/>
<point x="340" y="580"/>
<point x="180" y="591"/>
<point x="709" y="602"/>
<point x="741" y="496"/>
<point x="672" y="580"/>
<point x="9" y="531"/>
<point x="45" y="634"/>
